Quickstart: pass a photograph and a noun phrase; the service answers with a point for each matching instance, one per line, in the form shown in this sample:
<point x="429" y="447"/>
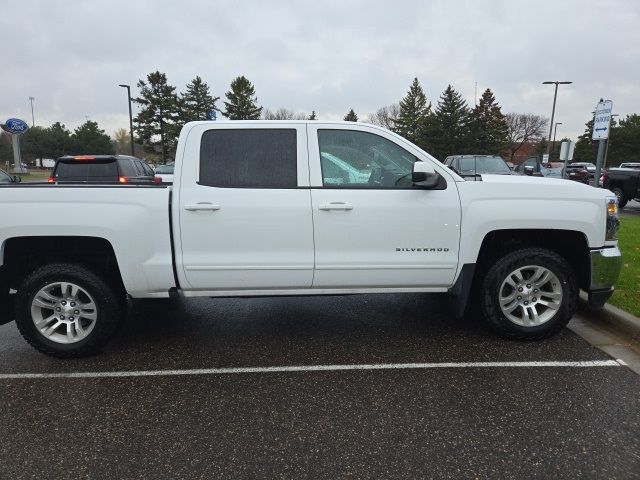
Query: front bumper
<point x="605" y="269"/>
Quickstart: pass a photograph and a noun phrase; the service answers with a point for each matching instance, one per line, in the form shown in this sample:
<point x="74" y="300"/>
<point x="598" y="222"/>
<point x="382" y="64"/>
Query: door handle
<point x="335" y="206"/>
<point x="202" y="207"/>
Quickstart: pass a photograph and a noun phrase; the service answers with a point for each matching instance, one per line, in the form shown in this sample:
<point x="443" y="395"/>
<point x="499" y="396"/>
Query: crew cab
<point x="623" y="182"/>
<point x="302" y="208"/>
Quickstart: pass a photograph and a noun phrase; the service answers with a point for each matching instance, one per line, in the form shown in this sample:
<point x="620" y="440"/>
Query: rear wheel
<point x="622" y="200"/>
<point x="66" y="310"/>
<point x="529" y="294"/>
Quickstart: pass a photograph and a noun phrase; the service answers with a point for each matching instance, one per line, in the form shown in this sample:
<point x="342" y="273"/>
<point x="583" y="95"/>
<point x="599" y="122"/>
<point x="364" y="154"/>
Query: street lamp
<point x="555" y="130"/>
<point x="130" y="117"/>
<point x="33" y="119"/>
<point x="553" y="110"/>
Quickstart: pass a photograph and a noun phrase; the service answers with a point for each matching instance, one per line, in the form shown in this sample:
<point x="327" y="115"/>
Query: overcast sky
<point x="327" y="56"/>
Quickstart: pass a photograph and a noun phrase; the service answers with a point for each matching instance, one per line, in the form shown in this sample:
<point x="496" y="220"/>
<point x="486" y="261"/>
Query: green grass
<point x="36" y="175"/>
<point x="627" y="294"/>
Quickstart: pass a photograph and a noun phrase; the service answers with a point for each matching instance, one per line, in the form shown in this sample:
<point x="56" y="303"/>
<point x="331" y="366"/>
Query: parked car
<point x="165" y="172"/>
<point x="253" y="213"/>
<point x="535" y="167"/>
<point x="552" y="169"/>
<point x="102" y="169"/>
<point x="6" y="178"/>
<point x="591" y="168"/>
<point x="623" y="182"/>
<point x="578" y="173"/>
<point x="472" y="165"/>
<point x="633" y="165"/>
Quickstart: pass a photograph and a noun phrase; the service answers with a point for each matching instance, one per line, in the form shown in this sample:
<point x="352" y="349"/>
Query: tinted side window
<point x="127" y="168"/>
<point x="147" y="169"/>
<point x="257" y="158"/>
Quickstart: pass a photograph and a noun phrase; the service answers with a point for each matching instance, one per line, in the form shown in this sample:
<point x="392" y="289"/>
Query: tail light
<point x="123" y="180"/>
<point x="157" y="180"/>
<point x="51" y="180"/>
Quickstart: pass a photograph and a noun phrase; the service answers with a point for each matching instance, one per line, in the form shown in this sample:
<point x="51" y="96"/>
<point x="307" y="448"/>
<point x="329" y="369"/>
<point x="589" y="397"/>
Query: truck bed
<point x="134" y="219"/>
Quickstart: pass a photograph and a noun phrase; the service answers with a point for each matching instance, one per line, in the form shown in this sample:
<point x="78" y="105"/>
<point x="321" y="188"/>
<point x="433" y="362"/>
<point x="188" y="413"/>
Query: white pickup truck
<point x="301" y="208"/>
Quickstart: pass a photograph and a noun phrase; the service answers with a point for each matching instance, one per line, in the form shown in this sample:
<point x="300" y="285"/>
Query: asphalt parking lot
<point x="472" y="419"/>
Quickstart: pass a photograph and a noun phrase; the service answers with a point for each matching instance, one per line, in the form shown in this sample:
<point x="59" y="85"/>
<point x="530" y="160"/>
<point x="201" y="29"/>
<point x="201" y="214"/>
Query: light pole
<point x="130" y="117"/>
<point x="555" y="130"/>
<point x="553" y="110"/>
<point x="33" y="119"/>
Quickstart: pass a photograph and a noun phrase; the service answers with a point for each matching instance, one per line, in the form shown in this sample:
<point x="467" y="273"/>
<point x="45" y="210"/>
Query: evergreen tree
<point x="586" y="149"/>
<point x="197" y="101"/>
<point x="450" y="134"/>
<point x="351" y="116"/>
<point x="414" y="117"/>
<point x="157" y="124"/>
<point x="488" y="126"/>
<point x="6" y="149"/>
<point x="624" y="141"/>
<point x="88" y="138"/>
<point x="32" y="144"/>
<point x="313" y="115"/>
<point x="242" y="102"/>
<point x="56" y="141"/>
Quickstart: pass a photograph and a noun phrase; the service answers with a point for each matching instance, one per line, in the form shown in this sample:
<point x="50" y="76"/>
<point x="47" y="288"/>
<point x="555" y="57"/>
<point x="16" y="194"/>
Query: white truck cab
<point x="303" y="208"/>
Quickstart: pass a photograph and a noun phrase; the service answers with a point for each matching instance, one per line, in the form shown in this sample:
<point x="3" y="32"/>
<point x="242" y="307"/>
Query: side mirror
<point x="424" y="175"/>
<point x="528" y="170"/>
<point x="17" y="179"/>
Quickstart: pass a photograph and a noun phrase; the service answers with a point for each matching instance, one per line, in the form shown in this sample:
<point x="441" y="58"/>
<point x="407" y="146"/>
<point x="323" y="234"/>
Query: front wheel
<point x="66" y="310"/>
<point x="529" y="294"/>
<point x="622" y="200"/>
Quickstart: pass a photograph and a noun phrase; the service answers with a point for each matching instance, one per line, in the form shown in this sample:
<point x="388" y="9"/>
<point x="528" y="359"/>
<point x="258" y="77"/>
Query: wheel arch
<point x="21" y="255"/>
<point x="570" y="244"/>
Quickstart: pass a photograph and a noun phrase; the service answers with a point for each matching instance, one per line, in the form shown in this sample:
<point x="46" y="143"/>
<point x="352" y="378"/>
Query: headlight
<point x="613" y="223"/>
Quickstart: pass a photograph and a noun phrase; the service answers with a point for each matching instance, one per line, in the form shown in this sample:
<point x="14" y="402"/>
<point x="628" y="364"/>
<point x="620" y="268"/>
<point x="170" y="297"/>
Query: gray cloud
<point x="328" y="56"/>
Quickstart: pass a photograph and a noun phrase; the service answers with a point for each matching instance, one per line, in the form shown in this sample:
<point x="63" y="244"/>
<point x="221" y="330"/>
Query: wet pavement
<point x="632" y="208"/>
<point x="467" y="422"/>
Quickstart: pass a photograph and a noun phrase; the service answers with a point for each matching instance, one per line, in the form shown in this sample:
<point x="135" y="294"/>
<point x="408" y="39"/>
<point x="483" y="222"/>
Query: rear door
<point x="245" y="208"/>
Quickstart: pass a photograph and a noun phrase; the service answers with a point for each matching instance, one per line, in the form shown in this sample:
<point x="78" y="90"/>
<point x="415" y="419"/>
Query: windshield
<point x="165" y="169"/>
<point x="479" y="164"/>
<point x="4" y="178"/>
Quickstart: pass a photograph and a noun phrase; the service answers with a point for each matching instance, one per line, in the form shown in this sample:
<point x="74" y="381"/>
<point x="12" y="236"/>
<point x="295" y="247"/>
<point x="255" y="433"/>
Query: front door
<point x="372" y="227"/>
<point x="244" y="221"/>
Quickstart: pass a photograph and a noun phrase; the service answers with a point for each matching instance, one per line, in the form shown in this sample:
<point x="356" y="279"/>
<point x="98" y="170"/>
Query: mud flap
<point x="7" y="300"/>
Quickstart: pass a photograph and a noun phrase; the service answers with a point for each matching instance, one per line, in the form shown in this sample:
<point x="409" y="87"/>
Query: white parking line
<point x="314" y="368"/>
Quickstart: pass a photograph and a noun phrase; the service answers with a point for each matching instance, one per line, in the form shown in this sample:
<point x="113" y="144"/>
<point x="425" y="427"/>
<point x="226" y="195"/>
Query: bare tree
<point x="385" y="116"/>
<point x="524" y="128"/>
<point x="282" y="114"/>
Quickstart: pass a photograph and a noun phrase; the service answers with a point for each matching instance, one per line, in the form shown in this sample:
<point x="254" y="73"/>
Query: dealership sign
<point x="15" y="126"/>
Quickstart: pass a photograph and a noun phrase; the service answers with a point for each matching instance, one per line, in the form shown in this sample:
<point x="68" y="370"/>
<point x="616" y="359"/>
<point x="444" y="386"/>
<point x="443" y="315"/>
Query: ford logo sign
<point x="15" y="126"/>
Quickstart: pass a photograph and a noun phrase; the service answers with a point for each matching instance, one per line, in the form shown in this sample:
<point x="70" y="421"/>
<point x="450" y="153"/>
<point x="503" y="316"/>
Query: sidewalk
<point x="612" y="330"/>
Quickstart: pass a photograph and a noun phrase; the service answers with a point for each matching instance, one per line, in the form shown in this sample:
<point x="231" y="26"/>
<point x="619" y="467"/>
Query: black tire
<point x="498" y="272"/>
<point x="622" y="200"/>
<point x="110" y="303"/>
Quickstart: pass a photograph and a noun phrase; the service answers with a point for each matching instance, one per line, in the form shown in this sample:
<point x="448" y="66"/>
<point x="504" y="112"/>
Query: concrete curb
<point x="616" y="318"/>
